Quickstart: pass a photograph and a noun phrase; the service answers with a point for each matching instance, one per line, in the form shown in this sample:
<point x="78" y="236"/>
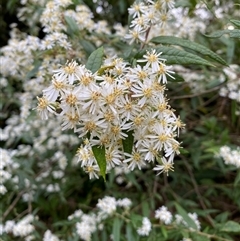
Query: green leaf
<point x="88" y="46"/>
<point x="145" y="208"/>
<point x="71" y="24"/>
<point x="164" y="231"/>
<point x="231" y="227"/>
<point x="34" y="71"/>
<point x="234" y="33"/>
<point x="235" y="22"/>
<point x="94" y="61"/>
<point x="190" y="45"/>
<point x="230" y="50"/>
<point x="177" y="78"/>
<point x="128" y="142"/>
<point x="198" y="237"/>
<point x="237" y="179"/>
<point x="99" y="154"/>
<point x="177" y="56"/>
<point x="116" y="229"/>
<point x="186" y="218"/>
<point x="129" y="232"/>
<point x="136" y="220"/>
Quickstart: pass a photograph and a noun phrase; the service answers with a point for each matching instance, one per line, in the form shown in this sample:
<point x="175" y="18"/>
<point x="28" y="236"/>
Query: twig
<point x="13" y="204"/>
<point x="198" y="192"/>
<point x="196" y="94"/>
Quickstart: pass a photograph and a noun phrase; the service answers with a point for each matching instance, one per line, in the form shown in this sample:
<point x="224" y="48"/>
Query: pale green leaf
<point x="231" y="227"/>
<point x="116" y="229"/>
<point x="71" y="24"/>
<point x="190" y="45"/>
<point x="235" y="22"/>
<point x="33" y="72"/>
<point x="95" y="60"/>
<point x="99" y="154"/>
<point x="198" y="237"/>
<point x="164" y="231"/>
<point x="234" y="33"/>
<point x="177" y="56"/>
<point x="88" y="46"/>
<point x="129" y="232"/>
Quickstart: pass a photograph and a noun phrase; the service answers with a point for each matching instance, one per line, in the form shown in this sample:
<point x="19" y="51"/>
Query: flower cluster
<point x="107" y="108"/>
<point x="23" y="228"/>
<point x="232" y="87"/>
<point x="87" y="224"/>
<point x="146" y="14"/>
<point x="163" y="215"/>
<point x="146" y="227"/>
<point x="230" y="157"/>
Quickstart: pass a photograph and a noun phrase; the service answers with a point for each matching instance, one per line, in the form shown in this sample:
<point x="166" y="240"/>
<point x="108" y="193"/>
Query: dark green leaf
<point x="94" y="61"/>
<point x="235" y="33"/>
<point x="145" y="208"/>
<point x="99" y="154"/>
<point x="237" y="179"/>
<point x="128" y="142"/>
<point x="186" y="218"/>
<point x="177" y="56"/>
<point x="190" y="45"/>
<point x="231" y="226"/>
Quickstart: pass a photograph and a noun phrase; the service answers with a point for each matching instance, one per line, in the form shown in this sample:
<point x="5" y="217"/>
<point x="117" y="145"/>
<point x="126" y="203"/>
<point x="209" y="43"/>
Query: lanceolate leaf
<point x="88" y="46"/>
<point x="34" y="71"/>
<point x="128" y="142"/>
<point x="190" y="45"/>
<point x="235" y="22"/>
<point x="185" y="217"/>
<point x="72" y="24"/>
<point x="235" y="33"/>
<point x="177" y="56"/>
<point x="94" y="61"/>
<point x="231" y="226"/>
<point x="117" y="223"/>
<point x="99" y="154"/>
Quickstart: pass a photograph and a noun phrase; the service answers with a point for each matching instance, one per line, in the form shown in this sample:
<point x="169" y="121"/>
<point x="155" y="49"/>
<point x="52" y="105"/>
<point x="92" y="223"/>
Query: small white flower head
<point x="86" y="227"/>
<point x="152" y="58"/>
<point x="167" y="165"/>
<point x="69" y="73"/>
<point x="136" y="9"/>
<point x="229" y="156"/>
<point x="48" y="236"/>
<point x="163" y="215"/>
<point x="135" y="35"/>
<point x="93" y="171"/>
<point x="44" y="106"/>
<point x="125" y="203"/>
<point x="146" y="227"/>
<point x="3" y="189"/>
<point x="107" y="206"/>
